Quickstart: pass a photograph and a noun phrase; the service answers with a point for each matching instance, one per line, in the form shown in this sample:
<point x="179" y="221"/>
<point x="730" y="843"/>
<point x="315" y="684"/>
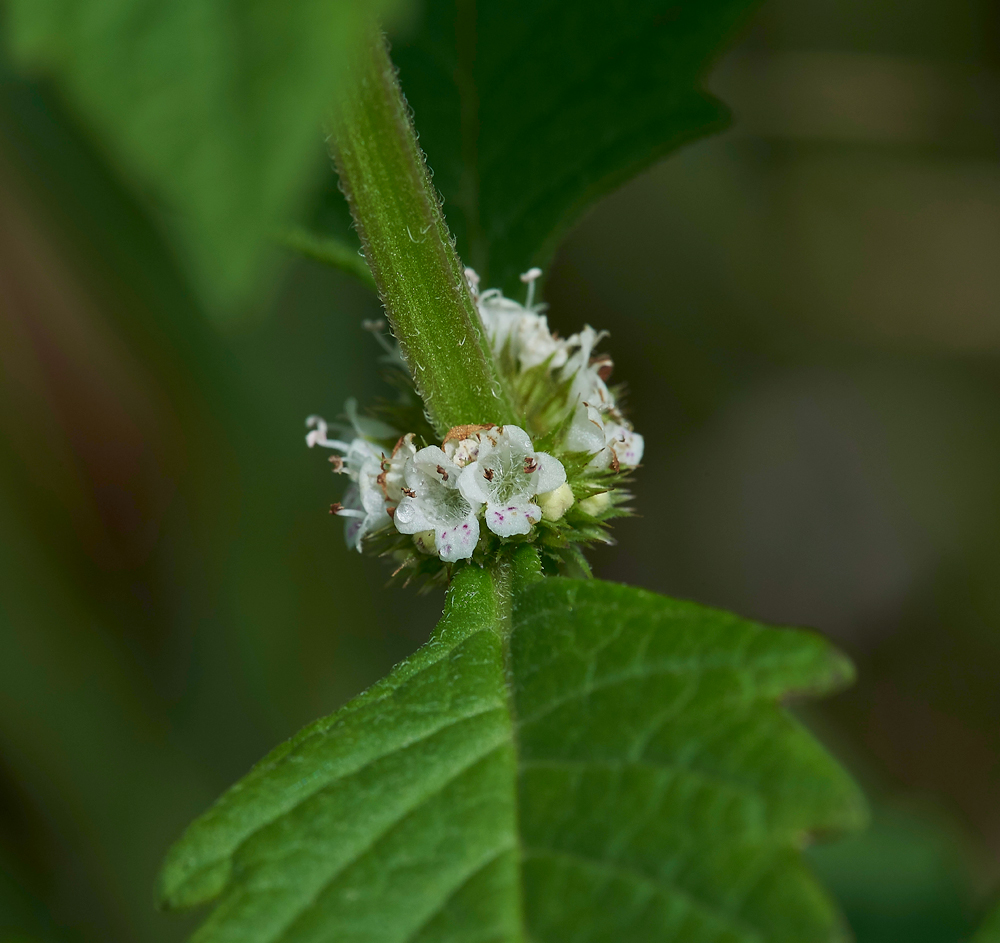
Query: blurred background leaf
<point x="213" y="109"/>
<point x="989" y="932"/>
<point x="807" y="310"/>
<point x="530" y="111"/>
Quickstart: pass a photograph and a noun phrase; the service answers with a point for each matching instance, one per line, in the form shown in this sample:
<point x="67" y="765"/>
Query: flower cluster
<point x="521" y="338"/>
<point x="555" y="481"/>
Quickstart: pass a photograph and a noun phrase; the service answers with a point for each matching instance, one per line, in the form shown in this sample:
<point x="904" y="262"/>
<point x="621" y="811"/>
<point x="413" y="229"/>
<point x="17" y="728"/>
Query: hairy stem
<point x="410" y="252"/>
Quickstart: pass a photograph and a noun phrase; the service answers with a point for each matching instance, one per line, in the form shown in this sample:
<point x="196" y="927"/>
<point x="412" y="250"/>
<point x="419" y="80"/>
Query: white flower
<point x="392" y="470"/>
<point x="587" y="371"/>
<point x="586" y="431"/>
<point x="377" y="480"/>
<point x="461" y="444"/>
<point x="525" y="331"/>
<point x="606" y="436"/>
<point x="626" y="444"/>
<point x="505" y="476"/>
<point x="433" y="501"/>
<point x="364" y="503"/>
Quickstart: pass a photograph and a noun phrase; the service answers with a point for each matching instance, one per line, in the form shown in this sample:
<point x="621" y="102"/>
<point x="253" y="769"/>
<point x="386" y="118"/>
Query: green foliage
<point x="332" y="252"/>
<point x="905" y="877"/>
<point x="989" y="932"/>
<point x="529" y="110"/>
<point x="564" y="760"/>
<point x="213" y="107"/>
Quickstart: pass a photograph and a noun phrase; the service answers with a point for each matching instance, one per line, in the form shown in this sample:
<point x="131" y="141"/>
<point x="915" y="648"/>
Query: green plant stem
<point x="411" y="254"/>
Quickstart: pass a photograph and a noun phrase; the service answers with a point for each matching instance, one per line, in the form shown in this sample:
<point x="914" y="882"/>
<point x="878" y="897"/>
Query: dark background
<point x="807" y="311"/>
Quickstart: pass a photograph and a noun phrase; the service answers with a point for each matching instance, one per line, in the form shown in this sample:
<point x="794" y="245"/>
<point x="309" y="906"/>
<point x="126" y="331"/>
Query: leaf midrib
<point x="504" y="601"/>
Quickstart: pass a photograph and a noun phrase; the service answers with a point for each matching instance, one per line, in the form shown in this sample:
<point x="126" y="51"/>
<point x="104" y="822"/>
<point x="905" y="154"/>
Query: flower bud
<point x="555" y="504"/>
<point x="597" y="504"/>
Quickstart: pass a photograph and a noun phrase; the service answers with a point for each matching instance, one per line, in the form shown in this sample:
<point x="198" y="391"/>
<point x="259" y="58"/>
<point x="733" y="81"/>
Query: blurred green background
<point x="807" y="312"/>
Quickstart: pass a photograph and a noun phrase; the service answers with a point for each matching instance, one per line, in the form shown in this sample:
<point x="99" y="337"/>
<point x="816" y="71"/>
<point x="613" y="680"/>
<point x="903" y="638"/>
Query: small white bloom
<point x="376" y="479"/>
<point x="626" y="444"/>
<point x="433" y="501"/>
<point x="605" y="435"/>
<point x="507" y="474"/>
<point x="364" y="503"/>
<point x="588" y="384"/>
<point x="525" y="331"/>
<point x="461" y="444"/>
<point x="586" y="431"/>
<point x="390" y="477"/>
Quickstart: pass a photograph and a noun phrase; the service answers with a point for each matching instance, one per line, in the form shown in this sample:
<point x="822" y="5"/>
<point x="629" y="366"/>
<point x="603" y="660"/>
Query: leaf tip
<point x="841" y="670"/>
<point x="186" y="882"/>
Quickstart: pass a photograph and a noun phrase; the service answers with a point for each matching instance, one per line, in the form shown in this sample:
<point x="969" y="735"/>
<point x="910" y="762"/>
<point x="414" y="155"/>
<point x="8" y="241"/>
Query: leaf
<point x="907" y="877"/>
<point x="989" y="932"/>
<point x="596" y="764"/>
<point x="213" y="107"/>
<point x="529" y="110"/>
<point x="332" y="252"/>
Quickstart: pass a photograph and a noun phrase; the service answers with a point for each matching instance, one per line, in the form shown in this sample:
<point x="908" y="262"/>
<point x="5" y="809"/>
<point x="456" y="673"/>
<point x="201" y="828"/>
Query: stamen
<point x="488" y="474"/>
<point x="529" y="278"/>
<point x="317" y="435"/>
<point x="339" y="509"/>
<point x="442" y="473"/>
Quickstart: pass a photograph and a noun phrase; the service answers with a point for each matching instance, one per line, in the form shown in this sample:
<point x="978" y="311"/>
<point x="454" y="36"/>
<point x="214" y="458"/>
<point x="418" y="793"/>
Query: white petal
<point x="395" y="467"/>
<point x="457" y="543"/>
<point x="586" y="432"/>
<point x="410" y="517"/>
<point x="372" y="500"/>
<point x="513" y="517"/>
<point x="353" y="533"/>
<point x="629" y="449"/>
<point x="353" y="525"/>
<point x="431" y="457"/>
<point x="472" y="484"/>
<point x="518" y="438"/>
<point x="550" y="474"/>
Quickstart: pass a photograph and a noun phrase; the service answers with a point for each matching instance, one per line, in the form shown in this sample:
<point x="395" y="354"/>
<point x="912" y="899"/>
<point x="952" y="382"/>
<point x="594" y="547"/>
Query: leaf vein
<point x="658" y="884"/>
<point x="385" y="831"/>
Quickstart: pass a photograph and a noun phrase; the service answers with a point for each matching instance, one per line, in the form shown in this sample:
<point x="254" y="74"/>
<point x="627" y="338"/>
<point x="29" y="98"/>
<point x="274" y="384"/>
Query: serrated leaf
<point x="529" y="111"/>
<point x="596" y="763"/>
<point x="213" y="107"/>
